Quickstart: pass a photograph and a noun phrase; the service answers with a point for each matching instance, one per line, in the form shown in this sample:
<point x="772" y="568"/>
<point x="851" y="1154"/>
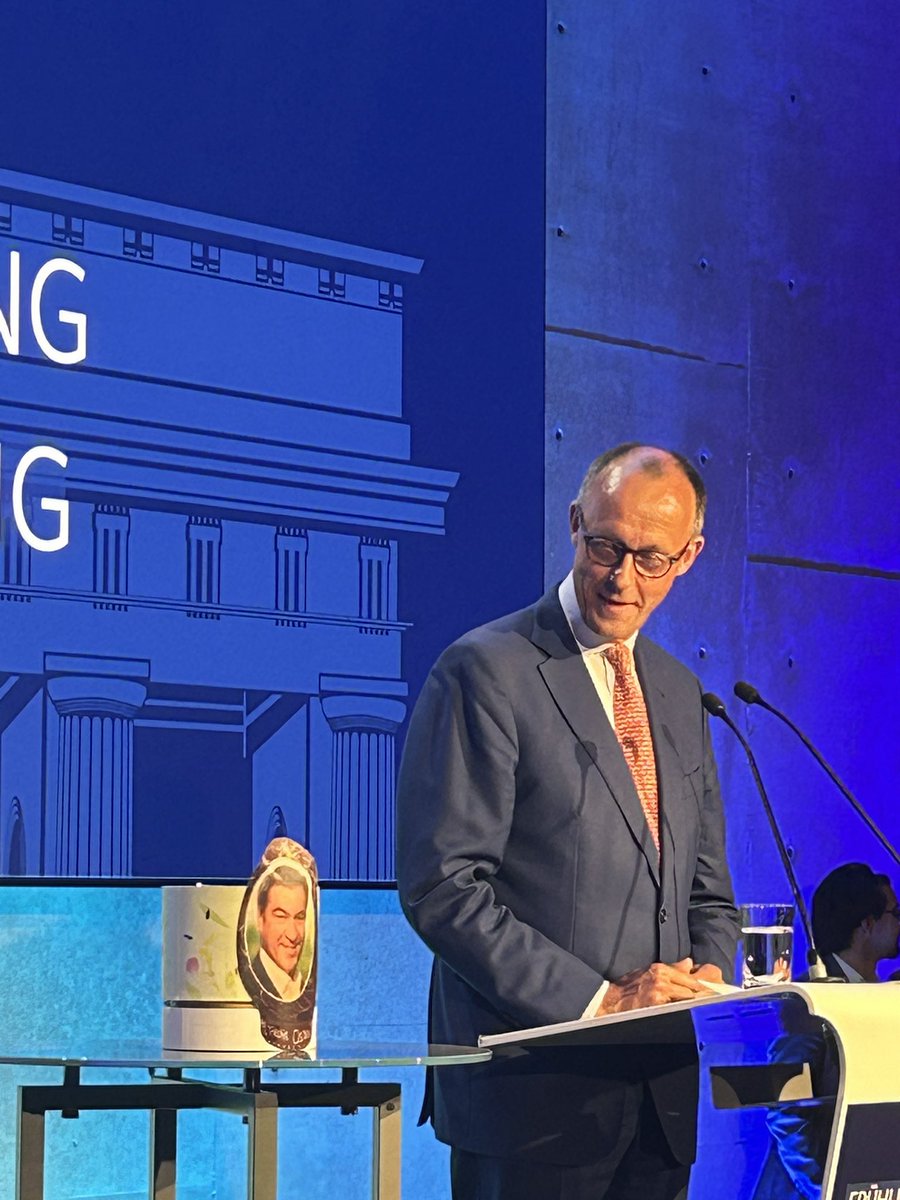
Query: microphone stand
<point x="749" y="694"/>
<point x="817" y="972"/>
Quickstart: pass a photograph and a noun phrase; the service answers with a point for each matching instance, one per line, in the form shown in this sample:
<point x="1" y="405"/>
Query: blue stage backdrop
<point x="270" y="382"/>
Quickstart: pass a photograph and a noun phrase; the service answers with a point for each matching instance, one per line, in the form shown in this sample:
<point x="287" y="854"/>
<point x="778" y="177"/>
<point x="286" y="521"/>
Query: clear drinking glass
<point x="767" y="936"/>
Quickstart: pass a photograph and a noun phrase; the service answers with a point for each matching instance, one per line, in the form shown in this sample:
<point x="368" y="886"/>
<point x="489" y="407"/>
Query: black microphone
<point x="716" y="708"/>
<point x="749" y="694"/>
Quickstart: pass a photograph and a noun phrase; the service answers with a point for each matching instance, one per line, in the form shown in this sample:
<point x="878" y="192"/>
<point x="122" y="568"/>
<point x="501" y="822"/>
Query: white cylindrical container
<point x="205" y="1004"/>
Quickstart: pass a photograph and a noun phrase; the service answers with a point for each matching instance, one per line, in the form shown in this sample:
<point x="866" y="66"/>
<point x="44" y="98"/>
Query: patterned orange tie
<point x="633" y="732"/>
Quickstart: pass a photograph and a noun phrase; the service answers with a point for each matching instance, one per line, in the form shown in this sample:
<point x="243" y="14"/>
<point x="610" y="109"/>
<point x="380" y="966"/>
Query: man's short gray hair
<point x="652" y="465"/>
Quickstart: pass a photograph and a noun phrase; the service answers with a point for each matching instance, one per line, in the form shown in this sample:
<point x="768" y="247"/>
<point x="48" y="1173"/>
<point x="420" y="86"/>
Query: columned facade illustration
<point x="237" y="482"/>
<point x="94" y="776"/>
<point x="363" y="782"/>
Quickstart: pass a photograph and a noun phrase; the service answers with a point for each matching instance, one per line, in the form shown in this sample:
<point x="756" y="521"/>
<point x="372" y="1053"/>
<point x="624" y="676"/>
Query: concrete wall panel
<point x="647" y="174"/>
<point x="825" y="374"/>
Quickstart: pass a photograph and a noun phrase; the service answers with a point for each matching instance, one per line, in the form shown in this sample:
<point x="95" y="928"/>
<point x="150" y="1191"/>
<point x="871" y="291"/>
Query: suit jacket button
<point x="663" y="915"/>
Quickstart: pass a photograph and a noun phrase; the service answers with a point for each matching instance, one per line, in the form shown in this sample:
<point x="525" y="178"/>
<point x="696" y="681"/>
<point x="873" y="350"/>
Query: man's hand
<point x="707" y="971"/>
<point x="660" y="983"/>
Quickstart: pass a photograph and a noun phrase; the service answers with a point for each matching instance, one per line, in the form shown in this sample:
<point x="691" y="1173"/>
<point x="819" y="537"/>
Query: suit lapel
<point x="573" y="692"/>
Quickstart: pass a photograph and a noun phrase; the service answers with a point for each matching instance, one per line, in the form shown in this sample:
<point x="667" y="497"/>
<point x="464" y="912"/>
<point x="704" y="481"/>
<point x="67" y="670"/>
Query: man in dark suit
<point x="856" y="922"/>
<point x="561" y="850"/>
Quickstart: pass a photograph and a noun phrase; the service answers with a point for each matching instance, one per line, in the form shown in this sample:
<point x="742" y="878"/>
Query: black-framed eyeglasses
<point x="606" y="552"/>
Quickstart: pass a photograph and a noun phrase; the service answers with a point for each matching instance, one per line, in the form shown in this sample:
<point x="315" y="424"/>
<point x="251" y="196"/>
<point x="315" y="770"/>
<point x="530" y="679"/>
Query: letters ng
<point x="10" y="322"/>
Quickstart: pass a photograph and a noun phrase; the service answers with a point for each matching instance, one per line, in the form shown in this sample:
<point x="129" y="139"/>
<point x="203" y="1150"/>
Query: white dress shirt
<point x="288" y="986"/>
<point x="592" y="646"/>
<point x="853" y="976"/>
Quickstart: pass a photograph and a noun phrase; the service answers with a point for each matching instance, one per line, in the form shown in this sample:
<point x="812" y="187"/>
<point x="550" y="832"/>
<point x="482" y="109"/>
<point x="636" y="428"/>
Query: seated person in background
<point x="856" y="922"/>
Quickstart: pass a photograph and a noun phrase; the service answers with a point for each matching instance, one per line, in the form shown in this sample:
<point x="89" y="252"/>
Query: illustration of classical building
<point x="215" y="655"/>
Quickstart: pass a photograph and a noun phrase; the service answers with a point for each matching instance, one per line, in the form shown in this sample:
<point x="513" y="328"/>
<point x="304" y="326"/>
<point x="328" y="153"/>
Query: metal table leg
<point x="163" y="1153"/>
<point x="350" y="1096"/>
<point x="262" y="1147"/>
<point x="386" y="1126"/>
<point x="29" y="1154"/>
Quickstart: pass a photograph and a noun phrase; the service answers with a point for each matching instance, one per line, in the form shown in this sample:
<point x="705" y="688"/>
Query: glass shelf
<point x="334" y="1054"/>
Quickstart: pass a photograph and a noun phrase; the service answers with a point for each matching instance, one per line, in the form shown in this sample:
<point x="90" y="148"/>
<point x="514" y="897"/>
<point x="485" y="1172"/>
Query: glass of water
<point x="767" y="936"/>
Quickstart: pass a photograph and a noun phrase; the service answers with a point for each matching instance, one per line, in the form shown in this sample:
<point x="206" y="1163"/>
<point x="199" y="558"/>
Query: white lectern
<point x="830" y="1051"/>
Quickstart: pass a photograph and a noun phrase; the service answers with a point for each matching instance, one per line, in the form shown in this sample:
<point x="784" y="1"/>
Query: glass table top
<point x="150" y="1053"/>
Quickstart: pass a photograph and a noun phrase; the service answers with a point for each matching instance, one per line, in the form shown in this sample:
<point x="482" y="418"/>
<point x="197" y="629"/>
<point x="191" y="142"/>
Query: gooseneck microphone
<point x="749" y="695"/>
<point x="716" y="708"/>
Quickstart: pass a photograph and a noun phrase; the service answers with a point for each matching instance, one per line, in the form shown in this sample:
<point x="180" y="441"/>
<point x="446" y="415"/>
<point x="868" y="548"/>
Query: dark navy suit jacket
<point x="525" y="862"/>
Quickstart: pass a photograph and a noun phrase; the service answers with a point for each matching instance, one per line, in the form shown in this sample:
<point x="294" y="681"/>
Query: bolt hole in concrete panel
<point x="560" y="27"/>
<point x="703" y="263"/>
<point x="702" y="651"/>
<point x="558" y="433"/>
<point x="705" y="71"/>
<point x="703" y="457"/>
